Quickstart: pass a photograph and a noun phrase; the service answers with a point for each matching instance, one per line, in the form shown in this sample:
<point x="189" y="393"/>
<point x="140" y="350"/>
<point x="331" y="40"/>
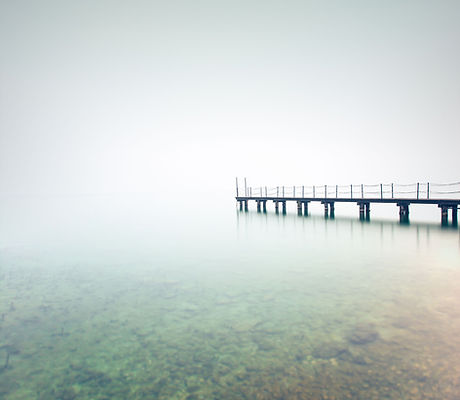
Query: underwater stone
<point x="363" y="334"/>
<point x="328" y="350"/>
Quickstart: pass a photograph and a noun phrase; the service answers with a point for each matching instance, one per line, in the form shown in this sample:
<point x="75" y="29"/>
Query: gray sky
<point x="112" y="96"/>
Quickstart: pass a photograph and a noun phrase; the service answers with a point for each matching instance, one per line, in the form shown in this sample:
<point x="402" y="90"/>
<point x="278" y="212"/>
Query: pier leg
<point x="241" y="205"/>
<point x="444" y="216"/>
<point x="368" y="211"/>
<point x="277" y="209"/>
<point x="361" y="211"/>
<point x="305" y="208"/>
<point x="245" y="205"/>
<point x="326" y="210"/>
<point x="299" y="208"/>
<point x="264" y="205"/>
<point x="284" y="207"/>
<point x="403" y="213"/>
<point x="332" y="210"/>
<point x="454" y="216"/>
<point x="258" y="206"/>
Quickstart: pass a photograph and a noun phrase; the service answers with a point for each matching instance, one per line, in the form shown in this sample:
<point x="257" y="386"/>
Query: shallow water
<point x="232" y="306"/>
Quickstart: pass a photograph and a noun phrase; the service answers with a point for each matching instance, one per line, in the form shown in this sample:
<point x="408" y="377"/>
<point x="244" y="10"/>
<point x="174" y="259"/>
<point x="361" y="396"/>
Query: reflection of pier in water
<point x="363" y="195"/>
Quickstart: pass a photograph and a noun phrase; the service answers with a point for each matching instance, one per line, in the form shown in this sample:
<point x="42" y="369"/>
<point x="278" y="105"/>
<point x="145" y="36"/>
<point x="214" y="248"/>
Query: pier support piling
<point x="368" y="211"/>
<point x="444" y="215"/>
<point x="264" y="206"/>
<point x="332" y="210"/>
<point x="326" y="209"/>
<point x="284" y="207"/>
<point x="277" y="210"/>
<point x="361" y="211"/>
<point x="454" y="216"/>
<point x="299" y="208"/>
<point x="258" y="205"/>
<point x="246" y="205"/>
<point x="403" y="213"/>
<point x="241" y="205"/>
<point x="305" y="208"/>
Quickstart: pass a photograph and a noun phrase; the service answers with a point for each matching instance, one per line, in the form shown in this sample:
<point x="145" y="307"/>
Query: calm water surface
<point x="226" y="305"/>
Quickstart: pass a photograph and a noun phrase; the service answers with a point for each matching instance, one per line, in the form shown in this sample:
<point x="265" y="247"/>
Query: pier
<point x="444" y="195"/>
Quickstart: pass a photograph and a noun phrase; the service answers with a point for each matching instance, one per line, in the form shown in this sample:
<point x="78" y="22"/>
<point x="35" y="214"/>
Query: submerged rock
<point x="328" y="350"/>
<point x="363" y="334"/>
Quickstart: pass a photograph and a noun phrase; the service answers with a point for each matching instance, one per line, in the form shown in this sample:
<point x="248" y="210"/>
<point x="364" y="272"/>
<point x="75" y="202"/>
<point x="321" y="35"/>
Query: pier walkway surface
<point x="445" y="195"/>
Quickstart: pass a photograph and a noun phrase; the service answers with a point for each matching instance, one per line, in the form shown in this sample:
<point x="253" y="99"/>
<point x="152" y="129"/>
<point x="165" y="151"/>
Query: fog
<point x="172" y="100"/>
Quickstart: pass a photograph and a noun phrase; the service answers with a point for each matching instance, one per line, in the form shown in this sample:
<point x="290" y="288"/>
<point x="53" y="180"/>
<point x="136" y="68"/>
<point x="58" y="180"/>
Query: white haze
<point x="174" y="99"/>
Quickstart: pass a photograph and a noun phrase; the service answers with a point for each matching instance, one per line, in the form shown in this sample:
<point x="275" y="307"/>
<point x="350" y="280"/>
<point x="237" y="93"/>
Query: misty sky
<point x="112" y="96"/>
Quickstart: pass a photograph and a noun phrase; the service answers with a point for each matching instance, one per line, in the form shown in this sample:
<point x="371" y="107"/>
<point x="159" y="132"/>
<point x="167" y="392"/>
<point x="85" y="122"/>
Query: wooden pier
<point x="445" y="195"/>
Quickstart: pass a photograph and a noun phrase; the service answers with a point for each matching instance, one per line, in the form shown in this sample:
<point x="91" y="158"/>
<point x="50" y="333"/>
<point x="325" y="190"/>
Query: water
<point x="101" y="300"/>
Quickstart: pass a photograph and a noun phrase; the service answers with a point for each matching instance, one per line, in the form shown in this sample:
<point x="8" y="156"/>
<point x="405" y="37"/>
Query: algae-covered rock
<point x="328" y="350"/>
<point x="363" y="334"/>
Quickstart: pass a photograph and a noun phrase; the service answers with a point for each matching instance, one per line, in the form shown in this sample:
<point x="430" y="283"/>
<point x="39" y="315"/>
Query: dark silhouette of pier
<point x="445" y="195"/>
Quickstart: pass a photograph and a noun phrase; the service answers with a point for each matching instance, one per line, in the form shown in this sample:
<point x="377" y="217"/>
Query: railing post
<point x="277" y="191"/>
<point x="362" y="191"/>
<point x="237" y="187"/>
<point x="303" y="192"/>
<point x="381" y="191"/>
<point x="245" y="188"/>
<point x="351" y="191"/>
<point x="325" y="191"/>
<point x="428" y="190"/>
<point x="283" y="191"/>
<point x="314" y="191"/>
<point x="293" y="191"/>
<point x="392" y="194"/>
<point x="266" y="195"/>
<point x="418" y="189"/>
<point x="336" y="191"/>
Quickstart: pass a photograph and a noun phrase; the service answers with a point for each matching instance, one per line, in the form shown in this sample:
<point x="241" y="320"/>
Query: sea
<point x="117" y="297"/>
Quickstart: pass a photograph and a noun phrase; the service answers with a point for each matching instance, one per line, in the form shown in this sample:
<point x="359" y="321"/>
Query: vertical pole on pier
<point x="428" y="190"/>
<point x="237" y="187"/>
<point x="261" y="192"/>
<point x="245" y="188"/>
<point x="418" y="190"/>
<point x="293" y="191"/>
<point x="283" y="191"/>
<point x="362" y="191"/>
<point x="250" y="192"/>
<point x="381" y="191"/>
<point x="313" y="191"/>
<point x="351" y="191"/>
<point x="303" y="191"/>
<point x="336" y="191"/>
<point x="325" y="191"/>
<point x="454" y="215"/>
<point x="392" y="191"/>
<point x="266" y="191"/>
<point x="277" y="191"/>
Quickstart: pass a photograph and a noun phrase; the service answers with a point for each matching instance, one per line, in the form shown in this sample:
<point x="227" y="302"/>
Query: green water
<point x="233" y="306"/>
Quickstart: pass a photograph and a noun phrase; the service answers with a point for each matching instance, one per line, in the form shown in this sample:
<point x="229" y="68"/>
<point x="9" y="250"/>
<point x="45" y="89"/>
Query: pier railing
<point x="419" y="190"/>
